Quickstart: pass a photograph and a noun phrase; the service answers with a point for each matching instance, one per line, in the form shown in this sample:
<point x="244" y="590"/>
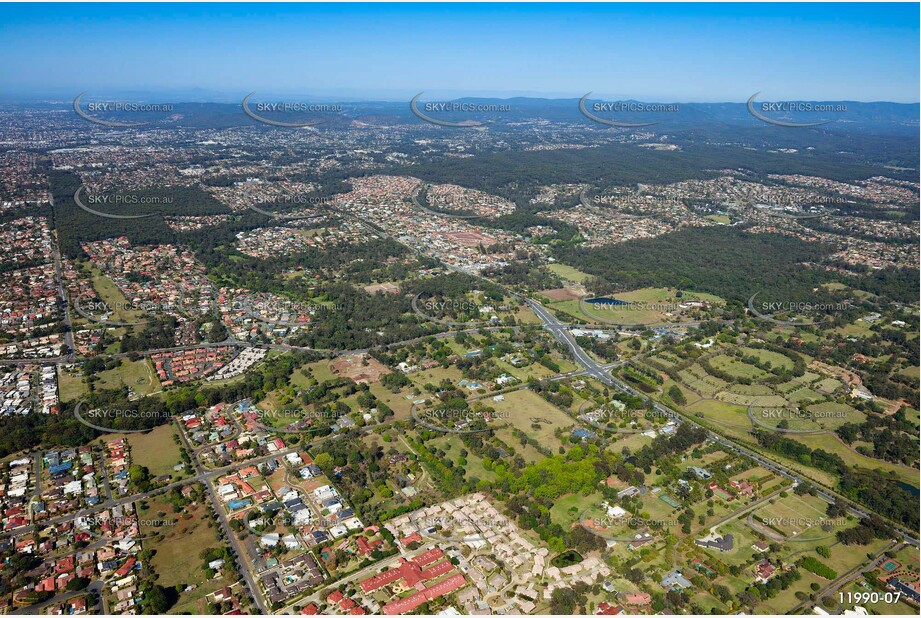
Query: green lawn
<point x="154" y="449"/>
<point x="320" y="369"/>
<point x="71" y="385"/>
<point x="776" y="359"/>
<point x="138" y="375"/>
<point x="736" y="367"/>
<point x="568" y="272"/>
<point x="524" y="407"/>
<point x="567" y="509"/>
<point x="113" y="297"/>
<point x="179" y="544"/>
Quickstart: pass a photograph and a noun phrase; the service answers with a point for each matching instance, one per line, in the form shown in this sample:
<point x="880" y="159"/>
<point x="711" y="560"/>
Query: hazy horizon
<point x="702" y="53"/>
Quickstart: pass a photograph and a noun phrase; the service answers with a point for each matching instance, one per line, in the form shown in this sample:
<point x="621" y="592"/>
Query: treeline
<point x="157" y="333"/>
<point x="797" y="451"/>
<point x="451" y="285"/>
<point x="530" y="494"/>
<point x="682" y="440"/>
<point x="869" y="528"/>
<point x="814" y="565"/>
<point x="883" y="494"/>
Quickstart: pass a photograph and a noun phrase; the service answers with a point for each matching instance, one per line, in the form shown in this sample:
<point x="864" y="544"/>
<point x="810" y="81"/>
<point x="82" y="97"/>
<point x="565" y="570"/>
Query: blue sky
<point x="661" y="52"/>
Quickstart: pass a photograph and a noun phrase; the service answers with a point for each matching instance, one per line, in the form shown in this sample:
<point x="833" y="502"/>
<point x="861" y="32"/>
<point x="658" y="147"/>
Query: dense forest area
<point x="77" y="226"/>
<point x="511" y="173"/>
<point x="719" y="260"/>
<point x="730" y="263"/>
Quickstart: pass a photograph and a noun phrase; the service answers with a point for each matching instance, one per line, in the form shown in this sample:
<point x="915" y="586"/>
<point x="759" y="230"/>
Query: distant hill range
<point x="873" y="118"/>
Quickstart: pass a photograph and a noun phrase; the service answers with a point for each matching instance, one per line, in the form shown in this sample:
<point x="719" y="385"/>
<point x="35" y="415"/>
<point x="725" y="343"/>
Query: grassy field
<point x="844" y="558"/>
<point x="634" y="442"/>
<point x="736" y="367"/>
<point x="567" y="509"/>
<point x="179" y="543"/>
<point x="772" y="401"/>
<point x="528" y="452"/>
<point x="722" y="413"/>
<point x="636" y="313"/>
<point x="109" y="292"/>
<point x="397" y="402"/>
<point x="787" y="598"/>
<point x="138" y="375"/>
<point x="524" y="405"/>
<point x="797" y="516"/>
<point x="611" y="314"/>
<point x="569" y="273"/>
<point x="155" y="449"/>
<point x="71" y="385"/>
<point x="320" y="369"/>
<point x="858" y="328"/>
<point x="827" y="386"/>
<point x="802" y="395"/>
<point x="776" y="359"/>
<point x="435" y="375"/>
<point x="524" y="315"/>
<point x="831" y="415"/>
<point x="535" y="370"/>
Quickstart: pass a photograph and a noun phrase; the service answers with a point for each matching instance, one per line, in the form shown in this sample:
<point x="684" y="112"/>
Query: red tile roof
<point x="413" y="601"/>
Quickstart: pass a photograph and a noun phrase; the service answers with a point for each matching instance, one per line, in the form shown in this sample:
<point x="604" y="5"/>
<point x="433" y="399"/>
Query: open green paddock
<point x="798" y="517"/>
<point x="506" y="433"/>
<point x="721" y="415"/>
<point x="770" y="417"/>
<point x="568" y="509"/>
<point x="804" y="394"/>
<point x="736" y="368"/>
<point x="843" y="557"/>
<point x="767" y="356"/>
<point x="827" y="386"/>
<point x="750" y="389"/>
<point x="452" y="446"/>
<point x="752" y="400"/>
<point x="524" y="408"/>
<point x="701" y="381"/>
<point x="569" y="273"/>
